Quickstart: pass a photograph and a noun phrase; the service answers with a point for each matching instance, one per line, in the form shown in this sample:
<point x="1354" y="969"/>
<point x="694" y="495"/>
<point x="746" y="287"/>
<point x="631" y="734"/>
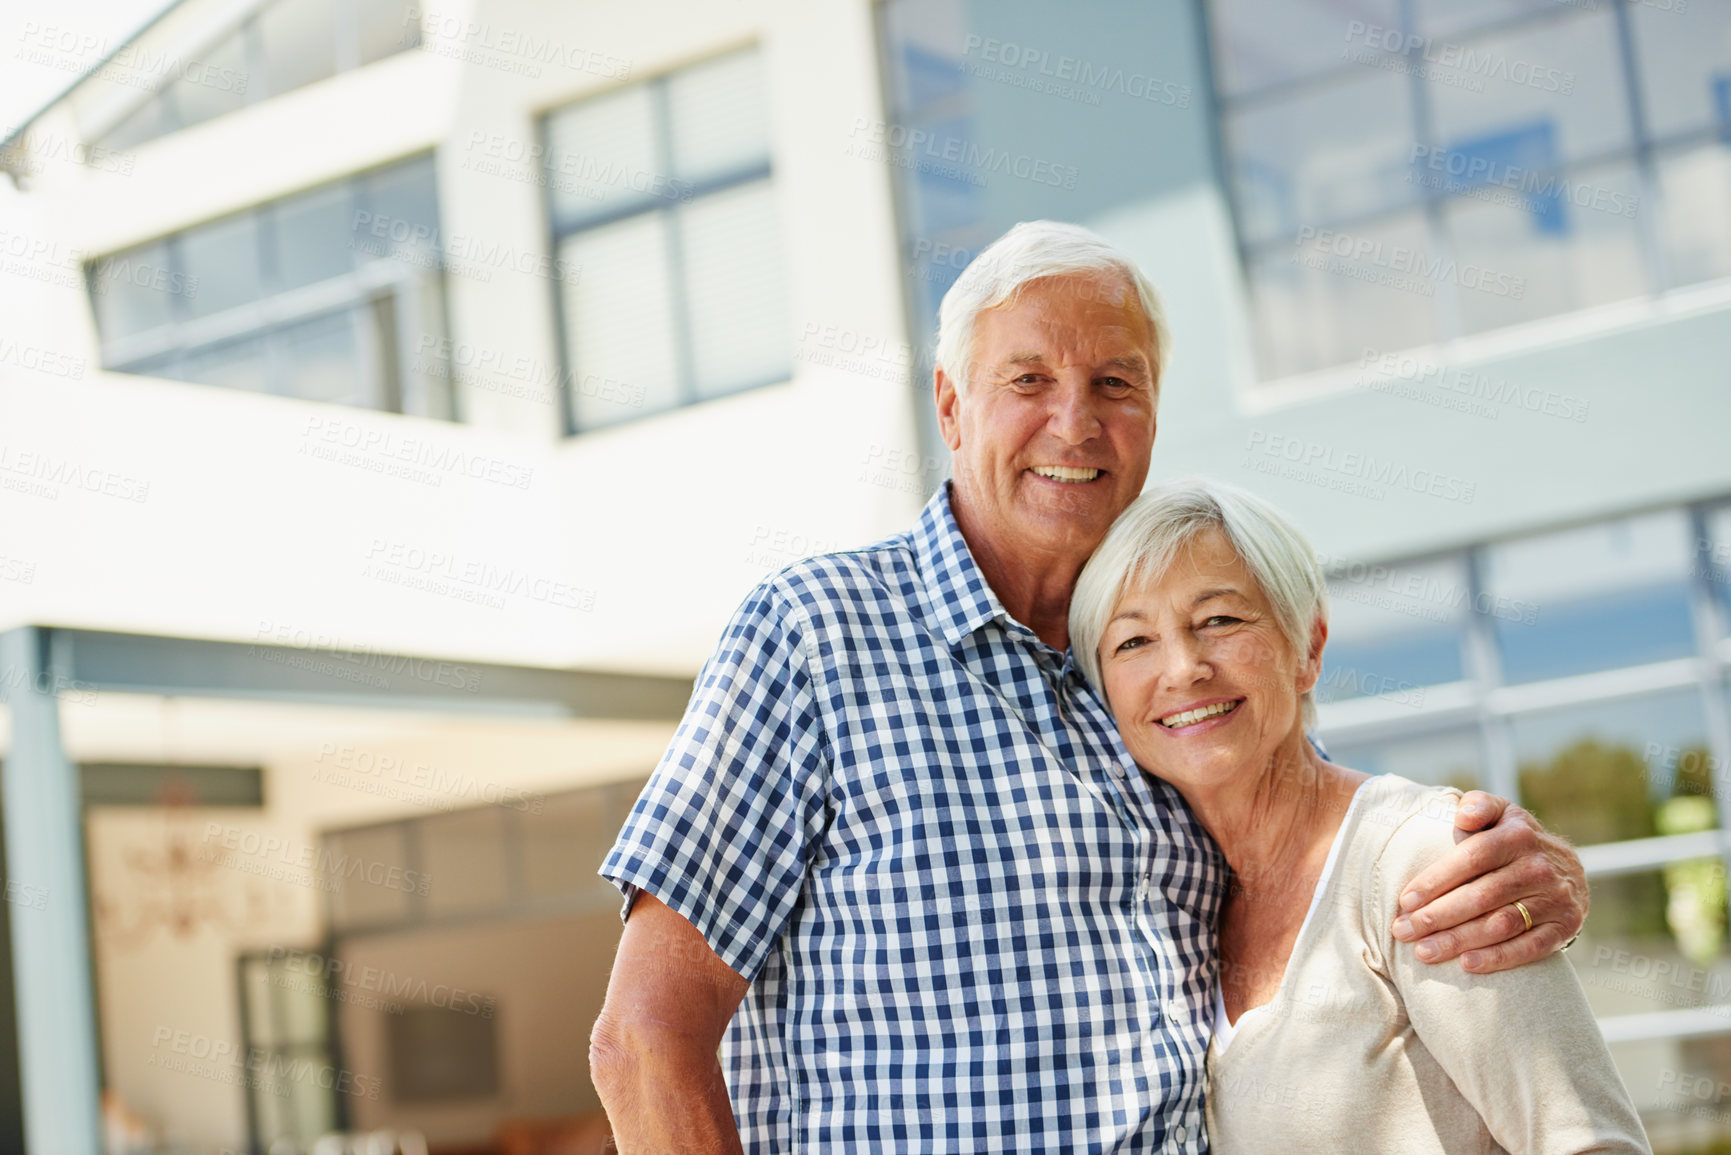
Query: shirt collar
<point x="957" y="591"/>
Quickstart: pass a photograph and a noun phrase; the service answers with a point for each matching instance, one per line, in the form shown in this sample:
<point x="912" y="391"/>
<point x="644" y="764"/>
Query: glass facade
<point x="1406" y="172"/>
<point x="1582" y="672"/>
<point x="280" y="46"/>
<point x="663" y="204"/>
<point x="332" y="294"/>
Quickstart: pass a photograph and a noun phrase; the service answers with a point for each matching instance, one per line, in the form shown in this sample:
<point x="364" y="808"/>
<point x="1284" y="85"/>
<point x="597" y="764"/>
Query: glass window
<point x="1683" y="53"/>
<point x="1523" y="257"/>
<point x="134" y="291"/>
<point x="313" y="236"/>
<point x="1655" y="941"/>
<point x="385" y="27"/>
<point x="1393" y="628"/>
<point x="358" y="866"/>
<point x="1452" y="758"/>
<point x="1595" y="598"/>
<point x="340" y="344"/>
<point x="212" y="83"/>
<point x="463" y="856"/>
<point x="1266" y="44"/>
<point x="1341" y="149"/>
<point x="602" y="155"/>
<point x="1455" y="17"/>
<point x="664" y="207"/>
<point x="299" y="38"/>
<point x="564" y="842"/>
<point x="621" y="339"/>
<point x="224" y="259"/>
<point x="1713" y="560"/>
<point x="148" y="121"/>
<point x="1609" y="772"/>
<point x="1695" y="184"/>
<point x="1317" y="308"/>
<point x="718" y="115"/>
<point x="733" y="273"/>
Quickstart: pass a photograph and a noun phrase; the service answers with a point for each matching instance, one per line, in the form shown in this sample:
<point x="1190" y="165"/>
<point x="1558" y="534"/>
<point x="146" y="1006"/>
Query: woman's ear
<point x="1312" y="672"/>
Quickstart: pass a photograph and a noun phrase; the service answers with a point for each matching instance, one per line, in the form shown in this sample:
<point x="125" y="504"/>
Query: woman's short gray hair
<point x="1147" y="536"/>
<point x="1028" y="252"/>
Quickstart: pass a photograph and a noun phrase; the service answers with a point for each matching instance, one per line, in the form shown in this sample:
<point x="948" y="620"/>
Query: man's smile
<point x="1069" y="474"/>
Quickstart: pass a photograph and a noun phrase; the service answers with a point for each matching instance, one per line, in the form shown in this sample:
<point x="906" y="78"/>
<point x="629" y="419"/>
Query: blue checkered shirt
<point x="970" y="922"/>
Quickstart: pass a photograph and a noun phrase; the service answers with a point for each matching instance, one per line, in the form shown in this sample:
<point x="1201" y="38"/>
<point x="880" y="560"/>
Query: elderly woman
<point x="1201" y="620"/>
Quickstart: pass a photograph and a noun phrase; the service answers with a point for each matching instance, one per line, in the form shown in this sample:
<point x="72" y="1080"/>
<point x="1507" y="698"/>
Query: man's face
<point x="1051" y="440"/>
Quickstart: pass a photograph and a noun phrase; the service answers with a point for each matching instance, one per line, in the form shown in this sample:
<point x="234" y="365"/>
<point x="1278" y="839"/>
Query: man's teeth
<point x="1065" y="473"/>
<point x="1172" y="721"/>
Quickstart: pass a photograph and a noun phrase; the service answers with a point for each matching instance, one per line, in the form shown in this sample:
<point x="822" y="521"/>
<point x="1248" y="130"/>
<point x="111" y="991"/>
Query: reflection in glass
<point x="1683" y="54"/>
<point x="1695" y="187"/>
<point x="1394" y="627"/>
<point x="1602" y="596"/>
<point x="463" y="856"/>
<point x="211" y="83"/>
<point x="357" y="864"/>
<point x="1610" y="772"/>
<point x="312" y="239"/>
<point x="1338" y="150"/>
<point x="718" y="116"/>
<point x="321" y="360"/>
<point x="134" y="290"/>
<point x="1316" y="308"/>
<point x="601" y="156"/>
<point x="1713" y="560"/>
<point x="234" y="365"/>
<point x="1261" y="44"/>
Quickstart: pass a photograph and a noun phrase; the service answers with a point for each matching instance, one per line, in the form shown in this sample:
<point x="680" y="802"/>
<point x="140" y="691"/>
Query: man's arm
<point x="1465" y="901"/>
<point x="652" y="1052"/>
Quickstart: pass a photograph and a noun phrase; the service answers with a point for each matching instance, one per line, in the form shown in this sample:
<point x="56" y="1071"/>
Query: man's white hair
<point x="1031" y="251"/>
<point x="1147" y="536"/>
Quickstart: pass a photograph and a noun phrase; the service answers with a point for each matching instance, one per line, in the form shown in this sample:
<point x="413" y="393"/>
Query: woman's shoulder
<point x="1402" y="827"/>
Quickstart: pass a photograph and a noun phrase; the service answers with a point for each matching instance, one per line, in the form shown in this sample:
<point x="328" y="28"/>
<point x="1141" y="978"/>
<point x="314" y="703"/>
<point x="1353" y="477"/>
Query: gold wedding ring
<point x="1526" y="915"/>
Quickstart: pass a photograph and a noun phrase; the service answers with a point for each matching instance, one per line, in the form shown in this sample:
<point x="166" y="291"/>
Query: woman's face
<point x="1201" y="680"/>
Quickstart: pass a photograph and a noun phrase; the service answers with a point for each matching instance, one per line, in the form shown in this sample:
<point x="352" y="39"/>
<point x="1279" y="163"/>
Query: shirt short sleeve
<point x="723" y="831"/>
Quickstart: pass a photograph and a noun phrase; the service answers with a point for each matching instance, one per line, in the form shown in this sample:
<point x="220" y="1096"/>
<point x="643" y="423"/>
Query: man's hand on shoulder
<point x="1464" y="904"/>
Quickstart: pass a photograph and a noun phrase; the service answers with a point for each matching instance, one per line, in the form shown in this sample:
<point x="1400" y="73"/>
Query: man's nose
<point x="1075" y="418"/>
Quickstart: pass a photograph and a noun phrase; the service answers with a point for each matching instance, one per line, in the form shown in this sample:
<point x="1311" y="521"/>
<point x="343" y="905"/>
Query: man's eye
<point x="1116" y="384"/>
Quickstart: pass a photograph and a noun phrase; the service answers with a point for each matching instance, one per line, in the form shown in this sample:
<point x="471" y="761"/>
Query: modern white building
<point x="396" y="399"/>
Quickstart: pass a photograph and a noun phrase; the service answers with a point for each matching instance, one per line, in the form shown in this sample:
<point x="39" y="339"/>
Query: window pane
<point x="463" y="855"/>
<point x="1609" y="772"/>
<point x="299" y="38"/>
<point x="601" y="156"/>
<point x="1549" y="93"/>
<point x="720" y="117"/>
<point x="1607" y="595"/>
<point x="619" y="329"/>
<point x="370" y="874"/>
<point x="1448" y="759"/>
<point x="233" y="365"/>
<point x="1679" y="1086"/>
<point x="737" y="298"/>
<point x="134" y="290"/>
<point x="1454" y="17"/>
<point x="404" y="205"/>
<point x="1319" y="156"/>
<point x="384" y="27"/>
<point x="1670" y="921"/>
<point x="1713" y="559"/>
<point x="1315" y="308"/>
<point x="224" y="258"/>
<point x="211" y="83"/>
<point x="1684" y="57"/>
<point x="1260" y="44"/>
<point x="1392" y="628"/>
<point x="1522" y="257"/>
<point x="1696" y="222"/>
<point x="321" y="361"/>
<point x="313" y="238"/>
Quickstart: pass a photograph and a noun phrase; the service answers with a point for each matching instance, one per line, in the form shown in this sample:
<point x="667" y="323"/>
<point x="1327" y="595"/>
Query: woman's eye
<point x="1130" y="643"/>
<point x="1221" y="620"/>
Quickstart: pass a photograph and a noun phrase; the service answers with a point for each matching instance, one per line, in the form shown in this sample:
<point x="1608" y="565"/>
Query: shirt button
<point x="1181" y="1134"/>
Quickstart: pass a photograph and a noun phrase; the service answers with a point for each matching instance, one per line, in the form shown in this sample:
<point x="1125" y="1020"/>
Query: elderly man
<point x="896" y="863"/>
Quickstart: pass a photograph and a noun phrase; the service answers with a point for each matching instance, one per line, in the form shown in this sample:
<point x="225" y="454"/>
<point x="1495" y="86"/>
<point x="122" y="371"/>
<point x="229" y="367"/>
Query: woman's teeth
<point x="1173" y="721"/>
<point x="1065" y="473"/>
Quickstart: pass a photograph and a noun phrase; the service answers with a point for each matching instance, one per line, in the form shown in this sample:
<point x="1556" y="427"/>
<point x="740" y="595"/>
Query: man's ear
<point x="1312" y="672"/>
<point x="949" y="403"/>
